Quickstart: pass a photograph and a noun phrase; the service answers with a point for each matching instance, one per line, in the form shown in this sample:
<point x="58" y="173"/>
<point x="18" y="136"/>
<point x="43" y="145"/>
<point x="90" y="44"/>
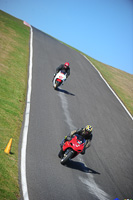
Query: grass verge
<point x="14" y="56"/>
<point x="120" y="81"/>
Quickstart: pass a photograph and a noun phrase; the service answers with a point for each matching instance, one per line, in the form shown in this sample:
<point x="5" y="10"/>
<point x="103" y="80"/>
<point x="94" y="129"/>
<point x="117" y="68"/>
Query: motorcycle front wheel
<point x="57" y="85"/>
<point x="67" y="155"/>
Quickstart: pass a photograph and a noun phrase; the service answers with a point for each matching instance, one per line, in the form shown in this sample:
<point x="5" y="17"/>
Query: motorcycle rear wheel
<point x="67" y="155"/>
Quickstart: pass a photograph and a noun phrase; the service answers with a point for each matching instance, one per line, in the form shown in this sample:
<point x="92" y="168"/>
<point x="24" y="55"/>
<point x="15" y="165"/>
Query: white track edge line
<point x="26" y="125"/>
<point x="110" y="88"/>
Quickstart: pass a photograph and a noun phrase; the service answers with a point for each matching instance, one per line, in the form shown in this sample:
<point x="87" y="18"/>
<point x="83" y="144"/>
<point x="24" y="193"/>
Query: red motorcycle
<point x="71" y="148"/>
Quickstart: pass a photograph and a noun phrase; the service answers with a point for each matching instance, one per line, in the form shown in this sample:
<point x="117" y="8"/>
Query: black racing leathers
<point x="61" y="67"/>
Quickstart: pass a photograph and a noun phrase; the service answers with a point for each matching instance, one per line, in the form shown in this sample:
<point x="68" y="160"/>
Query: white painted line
<point x="26" y="125"/>
<point x="90" y="183"/>
<point x="110" y="88"/>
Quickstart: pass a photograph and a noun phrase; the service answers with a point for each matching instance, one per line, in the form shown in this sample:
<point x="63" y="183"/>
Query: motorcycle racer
<point x="86" y="133"/>
<point x="63" y="67"/>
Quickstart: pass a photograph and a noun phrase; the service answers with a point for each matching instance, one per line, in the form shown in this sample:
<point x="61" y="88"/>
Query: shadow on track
<point x="65" y="92"/>
<point x="80" y="166"/>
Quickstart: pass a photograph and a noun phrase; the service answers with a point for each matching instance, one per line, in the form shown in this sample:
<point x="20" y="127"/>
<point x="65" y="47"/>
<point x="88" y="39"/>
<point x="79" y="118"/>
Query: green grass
<point x="14" y="58"/>
<point x="14" y="48"/>
<point x="120" y="81"/>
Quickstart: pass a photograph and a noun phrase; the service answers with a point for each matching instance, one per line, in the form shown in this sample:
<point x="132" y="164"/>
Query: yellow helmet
<point x="88" y="129"/>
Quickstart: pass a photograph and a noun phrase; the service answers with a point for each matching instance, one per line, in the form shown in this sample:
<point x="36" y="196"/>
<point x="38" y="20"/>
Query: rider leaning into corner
<point x="86" y="133"/>
<point x="65" y="68"/>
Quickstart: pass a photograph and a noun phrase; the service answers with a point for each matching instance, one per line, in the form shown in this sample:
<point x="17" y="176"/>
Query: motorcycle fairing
<point x="60" y="76"/>
<point x="59" y="80"/>
<point x="75" y="144"/>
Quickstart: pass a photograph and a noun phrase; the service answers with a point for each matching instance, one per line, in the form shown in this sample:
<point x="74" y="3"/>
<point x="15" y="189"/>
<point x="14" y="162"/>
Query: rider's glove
<point x="67" y="138"/>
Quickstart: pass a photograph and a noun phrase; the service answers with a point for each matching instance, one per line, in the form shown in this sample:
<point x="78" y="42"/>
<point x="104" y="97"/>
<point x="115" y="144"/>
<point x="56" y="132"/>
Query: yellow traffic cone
<point x="8" y="147"/>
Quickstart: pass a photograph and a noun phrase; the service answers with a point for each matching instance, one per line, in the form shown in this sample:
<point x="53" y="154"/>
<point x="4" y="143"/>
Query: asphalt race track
<point x="106" y="170"/>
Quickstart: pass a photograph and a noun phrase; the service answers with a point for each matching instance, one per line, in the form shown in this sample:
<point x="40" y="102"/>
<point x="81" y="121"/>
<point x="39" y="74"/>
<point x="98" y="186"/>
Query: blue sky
<point x="103" y="29"/>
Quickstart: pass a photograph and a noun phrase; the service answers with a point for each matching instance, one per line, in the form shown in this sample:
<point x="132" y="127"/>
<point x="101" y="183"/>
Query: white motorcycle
<point x="59" y="79"/>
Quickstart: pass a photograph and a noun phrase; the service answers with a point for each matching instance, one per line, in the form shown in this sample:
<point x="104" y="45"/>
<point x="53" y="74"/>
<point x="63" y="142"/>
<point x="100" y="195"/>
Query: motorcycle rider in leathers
<point x="63" y="67"/>
<point x="86" y="133"/>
